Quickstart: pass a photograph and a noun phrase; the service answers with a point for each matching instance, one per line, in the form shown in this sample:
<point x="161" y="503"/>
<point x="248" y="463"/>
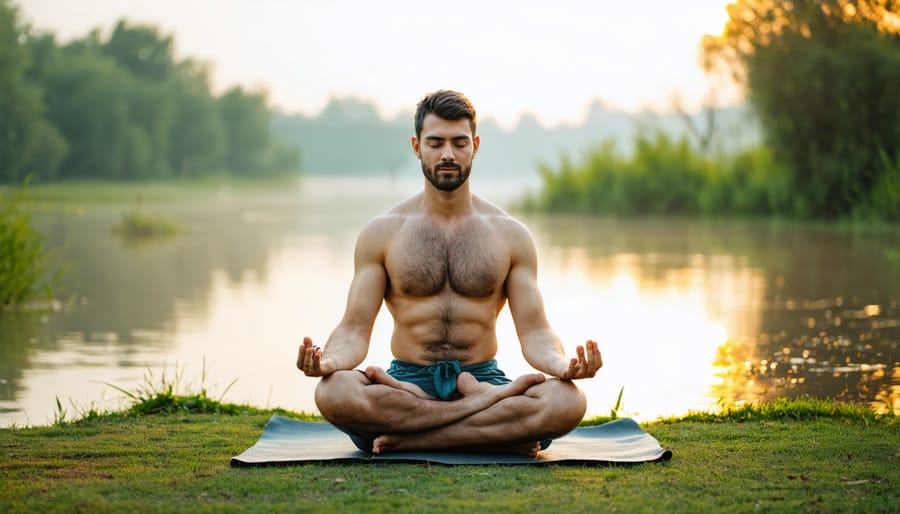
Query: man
<point x="445" y="262"/>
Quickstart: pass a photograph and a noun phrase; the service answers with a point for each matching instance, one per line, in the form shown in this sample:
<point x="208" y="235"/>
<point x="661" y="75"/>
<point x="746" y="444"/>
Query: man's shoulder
<point x="382" y="225"/>
<point x="501" y="220"/>
<point x="385" y="225"/>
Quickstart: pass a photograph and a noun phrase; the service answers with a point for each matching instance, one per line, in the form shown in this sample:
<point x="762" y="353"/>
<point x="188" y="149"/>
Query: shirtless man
<point x="445" y="262"/>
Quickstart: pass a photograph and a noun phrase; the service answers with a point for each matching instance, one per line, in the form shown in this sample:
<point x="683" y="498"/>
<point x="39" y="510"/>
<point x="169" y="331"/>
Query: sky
<point x="551" y="58"/>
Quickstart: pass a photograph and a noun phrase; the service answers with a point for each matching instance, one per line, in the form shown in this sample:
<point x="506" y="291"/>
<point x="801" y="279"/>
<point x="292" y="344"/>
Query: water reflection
<point x="805" y="309"/>
<point x="687" y="313"/>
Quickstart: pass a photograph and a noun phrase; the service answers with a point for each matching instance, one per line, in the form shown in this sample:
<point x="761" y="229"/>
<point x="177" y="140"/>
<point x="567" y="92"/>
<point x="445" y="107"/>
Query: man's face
<point x="446" y="149"/>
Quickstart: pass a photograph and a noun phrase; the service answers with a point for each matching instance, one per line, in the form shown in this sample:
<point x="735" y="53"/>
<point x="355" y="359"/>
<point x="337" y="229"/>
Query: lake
<point x="688" y="313"/>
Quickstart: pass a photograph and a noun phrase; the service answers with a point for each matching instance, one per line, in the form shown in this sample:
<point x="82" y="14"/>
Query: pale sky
<point x="550" y="58"/>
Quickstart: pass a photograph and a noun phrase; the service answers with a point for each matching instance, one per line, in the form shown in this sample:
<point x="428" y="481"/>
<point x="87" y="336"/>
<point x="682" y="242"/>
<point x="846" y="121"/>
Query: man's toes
<point x="378" y="375"/>
<point x="467" y="384"/>
<point x="526" y="381"/>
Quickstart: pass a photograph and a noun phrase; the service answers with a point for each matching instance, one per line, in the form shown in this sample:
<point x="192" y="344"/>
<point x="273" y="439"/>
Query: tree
<point x="141" y="51"/>
<point x="122" y="108"/>
<point x="88" y="99"/>
<point x="247" y="131"/>
<point x="823" y="76"/>
<point x="197" y="137"/>
<point x="29" y="144"/>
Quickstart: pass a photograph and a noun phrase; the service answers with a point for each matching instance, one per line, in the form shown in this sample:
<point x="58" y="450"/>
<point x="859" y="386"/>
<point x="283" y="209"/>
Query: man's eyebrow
<point x="439" y="138"/>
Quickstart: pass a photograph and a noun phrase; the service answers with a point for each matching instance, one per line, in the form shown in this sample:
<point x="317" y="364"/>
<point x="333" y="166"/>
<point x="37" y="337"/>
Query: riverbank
<point x="785" y="456"/>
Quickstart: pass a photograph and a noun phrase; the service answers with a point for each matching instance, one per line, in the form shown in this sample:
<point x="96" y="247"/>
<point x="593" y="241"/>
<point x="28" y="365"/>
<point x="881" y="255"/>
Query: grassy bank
<point x="782" y="457"/>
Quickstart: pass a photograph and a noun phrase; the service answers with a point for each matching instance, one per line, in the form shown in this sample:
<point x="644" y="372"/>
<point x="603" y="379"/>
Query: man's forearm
<point x="543" y="351"/>
<point x="345" y="350"/>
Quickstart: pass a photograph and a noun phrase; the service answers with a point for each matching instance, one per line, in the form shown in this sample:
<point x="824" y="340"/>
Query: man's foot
<point x="516" y="387"/>
<point x="467" y="384"/>
<point x="377" y="375"/>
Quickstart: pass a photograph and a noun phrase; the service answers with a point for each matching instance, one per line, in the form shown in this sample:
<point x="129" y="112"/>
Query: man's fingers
<point x="593" y="358"/>
<point x="303" y="352"/>
<point x="595" y="353"/>
<point x="316" y="360"/>
<point x="309" y="358"/>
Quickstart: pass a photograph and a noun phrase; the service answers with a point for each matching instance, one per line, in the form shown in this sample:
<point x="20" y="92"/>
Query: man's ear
<point x="414" y="141"/>
<point x="476" y="141"/>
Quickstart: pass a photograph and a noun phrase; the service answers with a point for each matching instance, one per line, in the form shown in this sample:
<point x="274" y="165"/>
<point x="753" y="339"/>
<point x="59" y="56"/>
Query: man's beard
<point x="447" y="183"/>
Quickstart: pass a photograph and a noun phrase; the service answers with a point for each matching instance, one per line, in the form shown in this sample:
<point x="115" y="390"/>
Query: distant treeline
<point x="122" y="108"/>
<point x="350" y="137"/>
<point x="823" y="79"/>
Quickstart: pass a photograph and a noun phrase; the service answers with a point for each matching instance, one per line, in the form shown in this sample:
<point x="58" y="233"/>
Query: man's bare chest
<point x="425" y="259"/>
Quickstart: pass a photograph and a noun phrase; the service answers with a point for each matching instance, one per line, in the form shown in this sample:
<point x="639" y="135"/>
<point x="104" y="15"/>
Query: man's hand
<point x="586" y="364"/>
<point x="310" y="362"/>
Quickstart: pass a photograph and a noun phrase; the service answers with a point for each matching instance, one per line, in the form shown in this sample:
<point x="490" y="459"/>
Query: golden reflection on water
<point x="659" y="334"/>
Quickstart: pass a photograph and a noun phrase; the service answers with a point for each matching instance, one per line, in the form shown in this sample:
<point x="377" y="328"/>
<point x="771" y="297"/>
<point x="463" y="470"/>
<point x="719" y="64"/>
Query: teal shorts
<point x="439" y="379"/>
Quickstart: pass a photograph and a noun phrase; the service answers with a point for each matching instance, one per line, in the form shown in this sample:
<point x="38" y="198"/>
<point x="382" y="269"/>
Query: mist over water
<point x="687" y="313"/>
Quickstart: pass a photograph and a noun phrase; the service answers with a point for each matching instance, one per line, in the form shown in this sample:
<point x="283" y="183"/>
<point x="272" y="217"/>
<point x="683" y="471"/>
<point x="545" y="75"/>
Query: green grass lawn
<point x="781" y="458"/>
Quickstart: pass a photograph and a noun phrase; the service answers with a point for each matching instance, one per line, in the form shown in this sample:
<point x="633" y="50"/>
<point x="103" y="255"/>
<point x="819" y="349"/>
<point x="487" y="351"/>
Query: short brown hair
<point x="447" y="105"/>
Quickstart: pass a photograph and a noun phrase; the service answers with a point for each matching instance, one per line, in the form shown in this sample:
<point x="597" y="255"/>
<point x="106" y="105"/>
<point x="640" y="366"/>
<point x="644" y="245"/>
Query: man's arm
<point x="540" y="344"/>
<point x="349" y="342"/>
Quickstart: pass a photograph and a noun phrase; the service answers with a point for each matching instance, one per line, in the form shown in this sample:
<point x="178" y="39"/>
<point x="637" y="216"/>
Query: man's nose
<point x="447" y="153"/>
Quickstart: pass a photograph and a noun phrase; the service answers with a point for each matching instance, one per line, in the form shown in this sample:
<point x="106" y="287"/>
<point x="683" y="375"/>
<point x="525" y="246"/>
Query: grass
<point x="136" y="225"/>
<point x="171" y="453"/>
<point x="26" y="281"/>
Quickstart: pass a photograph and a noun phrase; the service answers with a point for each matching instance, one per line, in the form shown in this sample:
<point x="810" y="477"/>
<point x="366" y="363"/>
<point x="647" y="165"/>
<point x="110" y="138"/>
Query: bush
<point x="884" y="201"/>
<point x="665" y="176"/>
<point x="24" y="261"/>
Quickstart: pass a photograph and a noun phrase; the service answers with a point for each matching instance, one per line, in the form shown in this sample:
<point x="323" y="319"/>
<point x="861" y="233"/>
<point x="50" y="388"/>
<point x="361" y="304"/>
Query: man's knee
<point x="565" y="405"/>
<point x="337" y="395"/>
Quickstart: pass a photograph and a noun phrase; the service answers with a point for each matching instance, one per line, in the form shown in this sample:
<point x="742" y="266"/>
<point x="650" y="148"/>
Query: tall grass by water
<point x="668" y="176"/>
<point x="26" y="273"/>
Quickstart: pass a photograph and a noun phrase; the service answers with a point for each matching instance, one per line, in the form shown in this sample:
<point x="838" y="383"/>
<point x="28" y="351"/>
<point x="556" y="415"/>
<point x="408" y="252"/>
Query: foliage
<point x="162" y="396"/>
<point x="136" y="224"/>
<point x="28" y="142"/>
<point x="823" y="78"/>
<point x="664" y="176"/>
<point x="122" y="108"/>
<point x="800" y="409"/>
<point x="170" y="395"/>
<point x="24" y="266"/>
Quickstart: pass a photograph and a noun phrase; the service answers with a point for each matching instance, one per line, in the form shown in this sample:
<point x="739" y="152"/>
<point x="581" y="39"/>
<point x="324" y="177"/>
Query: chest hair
<point x="428" y="258"/>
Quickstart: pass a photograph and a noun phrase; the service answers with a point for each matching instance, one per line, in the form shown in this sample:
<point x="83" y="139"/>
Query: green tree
<point x="247" y="124"/>
<point x="88" y="98"/>
<point x="122" y="108"/>
<point x="142" y="51"/>
<point x="824" y="78"/>
<point x="29" y="144"/>
<point x="198" y="137"/>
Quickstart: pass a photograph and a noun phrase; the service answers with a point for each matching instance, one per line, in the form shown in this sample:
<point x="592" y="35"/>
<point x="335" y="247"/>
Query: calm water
<point x="688" y="313"/>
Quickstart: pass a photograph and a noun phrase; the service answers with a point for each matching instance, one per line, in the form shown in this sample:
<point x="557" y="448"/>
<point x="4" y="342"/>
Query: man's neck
<point x="447" y="204"/>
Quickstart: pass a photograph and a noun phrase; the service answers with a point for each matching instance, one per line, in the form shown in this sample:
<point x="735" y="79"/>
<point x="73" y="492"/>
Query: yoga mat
<point x="287" y="441"/>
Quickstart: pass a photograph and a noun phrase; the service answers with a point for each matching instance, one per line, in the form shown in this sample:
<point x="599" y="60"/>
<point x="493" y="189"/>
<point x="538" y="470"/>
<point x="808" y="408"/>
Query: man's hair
<point x="447" y="105"/>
